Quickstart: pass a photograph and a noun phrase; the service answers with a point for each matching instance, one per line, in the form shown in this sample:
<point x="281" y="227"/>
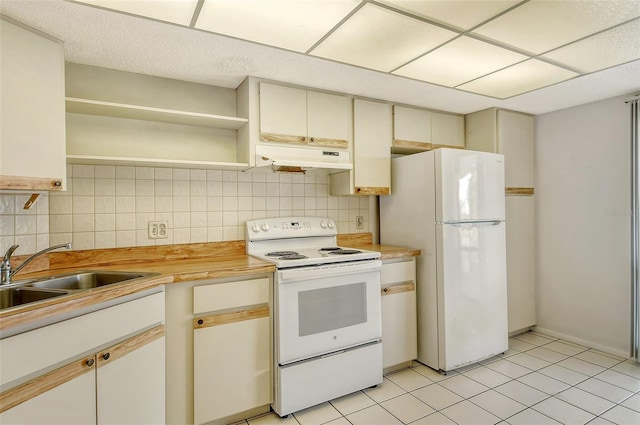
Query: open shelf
<point x="146" y="113"/>
<point x="153" y="162"/>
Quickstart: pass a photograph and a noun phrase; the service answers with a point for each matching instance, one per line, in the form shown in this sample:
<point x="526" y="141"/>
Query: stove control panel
<point x="289" y="227"/>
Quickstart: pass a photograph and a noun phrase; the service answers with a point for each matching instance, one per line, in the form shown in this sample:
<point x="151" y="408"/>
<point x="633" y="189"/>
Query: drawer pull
<point x="106" y="356"/>
<point x="90" y="362"/>
<point x="200" y="321"/>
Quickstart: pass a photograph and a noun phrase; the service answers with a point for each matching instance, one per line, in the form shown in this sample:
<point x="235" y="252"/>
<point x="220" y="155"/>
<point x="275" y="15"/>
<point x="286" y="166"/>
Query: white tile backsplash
<point x="110" y="206"/>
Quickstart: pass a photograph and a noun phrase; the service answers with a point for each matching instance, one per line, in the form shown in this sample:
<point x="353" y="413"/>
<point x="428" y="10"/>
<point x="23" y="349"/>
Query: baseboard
<point x="584" y="342"/>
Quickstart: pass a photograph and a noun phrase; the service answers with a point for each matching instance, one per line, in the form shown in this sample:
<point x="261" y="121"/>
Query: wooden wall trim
<point x="329" y="143"/>
<point x="125" y="347"/>
<point x="350" y="239"/>
<point x="519" y="191"/>
<point x="226" y="318"/>
<point x="31" y="183"/>
<point x="31" y="389"/>
<point x="397" y="288"/>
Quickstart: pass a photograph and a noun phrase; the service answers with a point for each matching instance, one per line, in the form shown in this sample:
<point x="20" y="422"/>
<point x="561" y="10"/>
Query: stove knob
<point x="323" y="224"/>
<point x="330" y="224"/>
<point x="255" y="228"/>
<point x="265" y="227"/>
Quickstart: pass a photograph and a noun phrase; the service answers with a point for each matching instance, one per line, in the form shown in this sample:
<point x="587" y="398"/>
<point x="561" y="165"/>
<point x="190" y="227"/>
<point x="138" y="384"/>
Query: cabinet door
<point x="412" y="125"/>
<point x="481" y="132"/>
<point x="399" y="313"/>
<point x="372" y="148"/>
<point x="447" y="130"/>
<point x="130" y="380"/>
<point x="231" y="363"/>
<point x="283" y="112"/>
<point x="520" y="262"/>
<point x="515" y="142"/>
<point x="64" y="396"/>
<point x="328" y="119"/>
<point x="32" y="128"/>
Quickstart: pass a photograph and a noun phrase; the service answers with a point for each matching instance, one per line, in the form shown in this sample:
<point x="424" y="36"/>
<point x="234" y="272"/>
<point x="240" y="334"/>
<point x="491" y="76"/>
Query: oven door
<point x="322" y="309"/>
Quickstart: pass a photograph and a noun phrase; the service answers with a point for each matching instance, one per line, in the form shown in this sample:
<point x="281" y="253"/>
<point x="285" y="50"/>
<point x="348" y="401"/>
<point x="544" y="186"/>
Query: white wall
<point x="583" y="224"/>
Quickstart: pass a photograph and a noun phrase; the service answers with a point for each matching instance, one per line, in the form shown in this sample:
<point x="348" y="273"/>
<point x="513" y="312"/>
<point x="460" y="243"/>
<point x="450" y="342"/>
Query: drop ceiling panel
<point x="540" y="25"/>
<point x="177" y="12"/>
<point x="609" y="48"/>
<point x="463" y="14"/>
<point x="377" y="38"/>
<point x="523" y="77"/>
<point x="293" y="25"/>
<point x="459" y="61"/>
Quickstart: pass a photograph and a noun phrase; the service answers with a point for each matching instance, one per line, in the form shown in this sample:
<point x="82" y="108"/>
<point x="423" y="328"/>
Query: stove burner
<point x="281" y="253"/>
<point x="333" y="248"/>
<point x="294" y="256"/>
<point x="345" y="251"/>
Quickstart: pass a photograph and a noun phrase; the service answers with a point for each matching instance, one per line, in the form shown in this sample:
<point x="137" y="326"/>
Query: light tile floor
<point x="539" y="380"/>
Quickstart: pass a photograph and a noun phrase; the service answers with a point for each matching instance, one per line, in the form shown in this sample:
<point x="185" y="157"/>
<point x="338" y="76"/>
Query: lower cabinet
<point x="232" y="362"/>
<point x="122" y="383"/>
<point x="399" y="317"/>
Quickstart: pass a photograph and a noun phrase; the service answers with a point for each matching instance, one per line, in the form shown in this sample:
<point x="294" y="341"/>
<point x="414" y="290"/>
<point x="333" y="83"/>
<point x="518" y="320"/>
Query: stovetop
<point x="296" y="257"/>
<point x="299" y="241"/>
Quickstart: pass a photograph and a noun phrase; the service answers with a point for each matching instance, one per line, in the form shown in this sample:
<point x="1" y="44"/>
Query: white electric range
<point x="327" y="315"/>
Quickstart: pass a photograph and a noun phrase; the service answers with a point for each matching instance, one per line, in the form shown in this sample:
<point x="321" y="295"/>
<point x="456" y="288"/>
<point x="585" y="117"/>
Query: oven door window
<point x="327" y="309"/>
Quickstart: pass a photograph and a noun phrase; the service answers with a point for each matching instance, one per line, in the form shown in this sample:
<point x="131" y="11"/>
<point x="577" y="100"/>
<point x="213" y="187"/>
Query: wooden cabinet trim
<point x="399" y="287"/>
<point x="125" y="347"/>
<point x="283" y="138"/>
<point x="329" y="143"/>
<point x="30" y="183"/>
<point x="35" y="387"/>
<point x="304" y="140"/>
<point x="420" y="146"/>
<point x="519" y="190"/>
<point x="372" y="191"/>
<point x="226" y="318"/>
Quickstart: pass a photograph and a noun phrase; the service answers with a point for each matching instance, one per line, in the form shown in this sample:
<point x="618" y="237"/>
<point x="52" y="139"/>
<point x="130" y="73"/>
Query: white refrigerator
<point x="450" y="204"/>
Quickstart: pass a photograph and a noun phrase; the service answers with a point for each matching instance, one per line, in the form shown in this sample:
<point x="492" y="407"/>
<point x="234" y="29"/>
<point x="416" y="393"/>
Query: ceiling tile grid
<point x="496" y="48"/>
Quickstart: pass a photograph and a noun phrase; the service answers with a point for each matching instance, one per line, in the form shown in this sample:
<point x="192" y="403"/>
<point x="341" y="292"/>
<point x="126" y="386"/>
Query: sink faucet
<point x="5" y="268"/>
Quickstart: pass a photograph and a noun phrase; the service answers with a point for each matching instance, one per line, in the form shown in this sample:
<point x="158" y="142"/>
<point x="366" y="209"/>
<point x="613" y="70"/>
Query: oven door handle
<point x="323" y="271"/>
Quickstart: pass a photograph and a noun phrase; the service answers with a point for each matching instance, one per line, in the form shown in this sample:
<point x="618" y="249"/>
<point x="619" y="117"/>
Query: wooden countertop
<point x="173" y="263"/>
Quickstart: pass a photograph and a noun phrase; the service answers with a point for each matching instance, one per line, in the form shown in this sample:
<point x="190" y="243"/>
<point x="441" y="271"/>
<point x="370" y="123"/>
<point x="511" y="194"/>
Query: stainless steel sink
<point x="34" y="290"/>
<point x="86" y="280"/>
<point x="15" y="296"/>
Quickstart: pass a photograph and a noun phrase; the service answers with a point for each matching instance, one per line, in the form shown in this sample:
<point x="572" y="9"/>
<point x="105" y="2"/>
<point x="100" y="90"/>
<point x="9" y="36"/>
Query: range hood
<point x="293" y="159"/>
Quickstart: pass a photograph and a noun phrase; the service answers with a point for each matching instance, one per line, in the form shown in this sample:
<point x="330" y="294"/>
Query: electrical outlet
<point x="158" y="230"/>
<point x="359" y="222"/>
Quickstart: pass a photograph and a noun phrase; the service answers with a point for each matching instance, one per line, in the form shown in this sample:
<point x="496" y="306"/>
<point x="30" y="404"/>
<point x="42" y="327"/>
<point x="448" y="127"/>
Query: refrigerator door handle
<point x="473" y="223"/>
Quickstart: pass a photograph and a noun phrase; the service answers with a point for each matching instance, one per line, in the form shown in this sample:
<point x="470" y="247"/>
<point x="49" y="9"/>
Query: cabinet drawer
<point x="230" y="295"/>
<point x="401" y="271"/>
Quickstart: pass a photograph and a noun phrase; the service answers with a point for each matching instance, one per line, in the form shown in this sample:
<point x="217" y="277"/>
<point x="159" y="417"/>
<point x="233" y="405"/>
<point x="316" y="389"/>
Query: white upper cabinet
<point x="508" y="133"/>
<point x="416" y="130"/>
<point x="32" y="127"/>
<point x="304" y="117"/>
<point x="447" y="130"/>
<point x="372" y="133"/>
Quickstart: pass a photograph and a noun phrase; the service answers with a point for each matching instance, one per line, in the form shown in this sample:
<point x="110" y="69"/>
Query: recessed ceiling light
<point x="604" y="50"/>
<point x="293" y="25"/>
<point x="540" y="25"/>
<point x="463" y="14"/>
<point x="520" y="78"/>
<point x="380" y="39"/>
<point x="459" y="61"/>
<point x="175" y="11"/>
